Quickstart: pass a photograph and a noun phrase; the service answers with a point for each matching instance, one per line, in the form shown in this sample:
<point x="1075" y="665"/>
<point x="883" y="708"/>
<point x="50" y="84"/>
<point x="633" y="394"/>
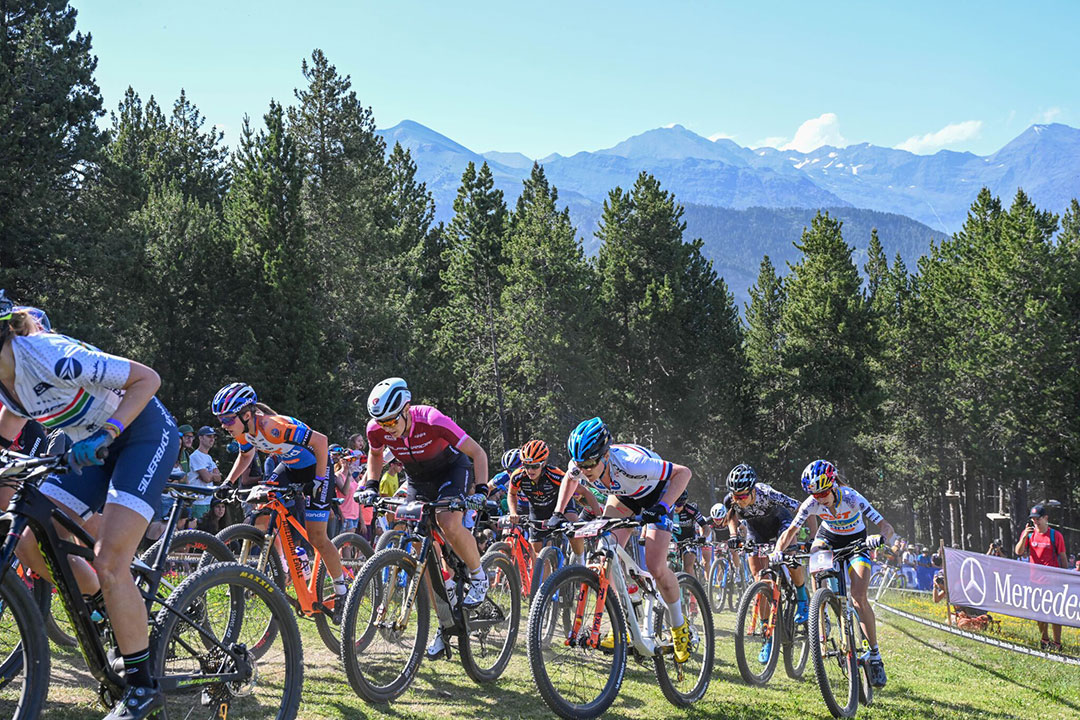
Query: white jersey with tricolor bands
<point x="847" y="518"/>
<point x="635" y="471"/>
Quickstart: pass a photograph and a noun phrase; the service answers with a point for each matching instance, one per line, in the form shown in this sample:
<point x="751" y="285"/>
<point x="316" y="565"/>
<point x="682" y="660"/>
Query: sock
<point x="800" y="592"/>
<point x="137" y="669"/>
<point x="339" y="585"/>
<point x="576" y="559"/>
<point x="675" y="613"/>
<point x="874" y="652"/>
<point x="478" y="574"/>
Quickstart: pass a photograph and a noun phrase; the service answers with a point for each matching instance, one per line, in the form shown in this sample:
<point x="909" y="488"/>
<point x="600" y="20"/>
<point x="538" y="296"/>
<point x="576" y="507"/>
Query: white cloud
<point x="721" y="136"/>
<point x="1048" y="116"/>
<point x="815" y="132"/>
<point x="948" y="135"/>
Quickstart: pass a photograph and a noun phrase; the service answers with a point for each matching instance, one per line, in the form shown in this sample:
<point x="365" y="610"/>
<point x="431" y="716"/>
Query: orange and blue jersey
<point x="279" y="435"/>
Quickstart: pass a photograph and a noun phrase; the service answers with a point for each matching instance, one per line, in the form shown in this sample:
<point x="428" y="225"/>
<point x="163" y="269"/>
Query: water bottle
<point x="305" y="564"/>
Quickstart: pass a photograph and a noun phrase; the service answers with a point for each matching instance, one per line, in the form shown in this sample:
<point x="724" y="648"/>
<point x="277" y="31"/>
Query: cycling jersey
<point x="634" y="471"/>
<point x="280" y="435"/>
<point x="64" y="383"/>
<point x="685" y="520"/>
<point x="767" y="501"/>
<point x="848" y="516"/>
<point x="542" y="492"/>
<point x="430" y="448"/>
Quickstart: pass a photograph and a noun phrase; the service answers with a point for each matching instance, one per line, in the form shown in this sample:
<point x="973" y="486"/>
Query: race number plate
<point x="821" y="560"/>
<point x="410" y="512"/>
<point x="590" y="529"/>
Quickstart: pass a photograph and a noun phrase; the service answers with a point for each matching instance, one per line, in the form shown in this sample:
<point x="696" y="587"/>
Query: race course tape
<point x="982" y="638"/>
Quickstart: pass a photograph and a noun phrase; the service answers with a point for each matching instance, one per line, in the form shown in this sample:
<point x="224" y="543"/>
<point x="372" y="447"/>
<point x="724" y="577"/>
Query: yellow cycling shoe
<point x="681" y="636"/>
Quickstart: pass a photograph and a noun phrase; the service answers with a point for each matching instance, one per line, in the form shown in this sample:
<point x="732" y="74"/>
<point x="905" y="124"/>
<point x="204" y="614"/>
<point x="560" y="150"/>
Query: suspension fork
<point x="414" y="586"/>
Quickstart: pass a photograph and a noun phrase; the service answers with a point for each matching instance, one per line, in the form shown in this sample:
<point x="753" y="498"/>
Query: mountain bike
<point x="312" y="587"/>
<point x="385" y="624"/>
<point x="729" y="576"/>
<point x="684" y="547"/>
<point x="532" y="567"/>
<point x="888" y="576"/>
<point x="836" y="637"/>
<point x="579" y="674"/>
<point x="765" y="623"/>
<point x="201" y="646"/>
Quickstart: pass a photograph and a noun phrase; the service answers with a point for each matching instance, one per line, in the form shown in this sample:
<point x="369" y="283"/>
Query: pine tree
<point x="763" y="346"/>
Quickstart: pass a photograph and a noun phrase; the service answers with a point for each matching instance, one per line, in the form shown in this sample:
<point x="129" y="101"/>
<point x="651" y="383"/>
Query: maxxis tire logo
<point x="973" y="581"/>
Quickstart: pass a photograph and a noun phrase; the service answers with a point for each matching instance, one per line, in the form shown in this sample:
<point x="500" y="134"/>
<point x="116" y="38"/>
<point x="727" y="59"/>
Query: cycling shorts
<point x="134" y="473"/>
<point x="318" y="497"/>
<point x="837" y="542"/>
<point x="767" y="528"/>
<point x="636" y="505"/>
<point x="455" y="481"/>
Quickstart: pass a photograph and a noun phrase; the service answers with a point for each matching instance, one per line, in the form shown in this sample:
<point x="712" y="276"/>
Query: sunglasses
<point x="387" y="424"/>
<point x="588" y="464"/>
<point x="227" y="419"/>
<point x="533" y="466"/>
<point x="740" y="496"/>
<point x="822" y="494"/>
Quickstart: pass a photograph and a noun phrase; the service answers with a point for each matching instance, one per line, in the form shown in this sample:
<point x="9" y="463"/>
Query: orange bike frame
<point x="283" y="519"/>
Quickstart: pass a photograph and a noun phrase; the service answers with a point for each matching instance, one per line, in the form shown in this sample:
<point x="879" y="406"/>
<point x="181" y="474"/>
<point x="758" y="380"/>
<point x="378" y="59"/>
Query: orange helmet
<point x="534" y="452"/>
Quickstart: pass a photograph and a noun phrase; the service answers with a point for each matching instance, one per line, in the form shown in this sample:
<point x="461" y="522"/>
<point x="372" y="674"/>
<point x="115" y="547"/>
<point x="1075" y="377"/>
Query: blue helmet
<point x="233" y="398"/>
<point x="511" y="459"/>
<point x="818" y="476"/>
<point x="590" y="440"/>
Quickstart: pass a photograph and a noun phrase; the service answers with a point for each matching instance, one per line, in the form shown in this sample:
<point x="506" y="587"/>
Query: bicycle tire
<point x="328" y="631"/>
<point x="547" y="562"/>
<point x="718" y="584"/>
<point x="44" y="598"/>
<point x="556" y="589"/>
<point x="825" y="601"/>
<point x="796" y="643"/>
<point x="353" y="648"/>
<point x="29" y="658"/>
<point x="866" y="690"/>
<point x="389" y="539"/>
<point x="242" y="584"/>
<point x="691" y="589"/>
<point x="471" y="644"/>
<point x="748" y="600"/>
<point x="245" y="542"/>
<point x="211" y="547"/>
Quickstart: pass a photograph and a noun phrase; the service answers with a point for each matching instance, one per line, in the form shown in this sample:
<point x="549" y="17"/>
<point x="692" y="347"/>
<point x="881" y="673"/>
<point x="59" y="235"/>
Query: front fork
<point x="592" y="640"/>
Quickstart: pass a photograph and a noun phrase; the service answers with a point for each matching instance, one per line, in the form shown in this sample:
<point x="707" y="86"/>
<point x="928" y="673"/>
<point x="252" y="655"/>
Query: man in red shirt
<point x="1044" y="546"/>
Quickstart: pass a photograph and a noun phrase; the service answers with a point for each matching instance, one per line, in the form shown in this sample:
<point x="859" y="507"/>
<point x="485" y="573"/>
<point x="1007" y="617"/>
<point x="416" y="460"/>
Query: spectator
<point x="215" y="520"/>
<point x="389" y="482"/>
<point x="348" y="485"/>
<point x="1044" y="546"/>
<point x="995" y="548"/>
<point x="187" y="441"/>
<point x="206" y="471"/>
<point x="1076" y="565"/>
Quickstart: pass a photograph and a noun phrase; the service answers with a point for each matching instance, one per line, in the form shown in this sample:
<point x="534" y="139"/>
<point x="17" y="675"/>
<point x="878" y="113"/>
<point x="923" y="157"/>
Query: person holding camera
<point x="1044" y="546"/>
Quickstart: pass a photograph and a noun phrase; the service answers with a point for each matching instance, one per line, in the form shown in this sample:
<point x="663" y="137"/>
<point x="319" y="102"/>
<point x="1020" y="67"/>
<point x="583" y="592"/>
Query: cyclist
<point x="766" y="513"/>
<point x="303" y="458"/>
<point x="511" y="461"/>
<point x="442" y="462"/>
<point x="637" y="480"/>
<point x="539" y="483"/>
<point x="843" y="512"/>
<point x="689" y="523"/>
<point x="100" y="401"/>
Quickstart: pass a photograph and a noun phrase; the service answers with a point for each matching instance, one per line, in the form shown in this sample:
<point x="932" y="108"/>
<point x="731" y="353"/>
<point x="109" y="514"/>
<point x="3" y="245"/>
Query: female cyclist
<point x="638" y="481"/>
<point x="304" y="459"/>
<point x="100" y="401"/>
<point x="843" y="513"/>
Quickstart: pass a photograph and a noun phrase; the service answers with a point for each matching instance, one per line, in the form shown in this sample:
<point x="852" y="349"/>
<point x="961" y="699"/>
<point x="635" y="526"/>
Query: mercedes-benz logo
<point x="973" y="581"/>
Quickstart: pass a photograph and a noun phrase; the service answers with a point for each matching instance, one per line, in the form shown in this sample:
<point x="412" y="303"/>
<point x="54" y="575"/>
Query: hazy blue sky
<point x="556" y="76"/>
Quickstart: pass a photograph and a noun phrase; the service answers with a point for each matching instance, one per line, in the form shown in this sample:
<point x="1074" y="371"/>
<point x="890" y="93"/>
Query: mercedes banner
<point x="1013" y="587"/>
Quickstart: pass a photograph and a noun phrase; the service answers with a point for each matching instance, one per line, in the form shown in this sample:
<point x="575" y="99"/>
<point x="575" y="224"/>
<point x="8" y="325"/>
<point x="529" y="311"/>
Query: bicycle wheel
<point x="232" y="604"/>
<point x="246" y="542"/>
<point x="23" y="646"/>
<point x="866" y="690"/>
<point x="576" y="680"/>
<point x="189" y="550"/>
<point x="382" y="637"/>
<point x="756" y="651"/>
<point x="796" y="643"/>
<point x="718" y="584"/>
<point x="57" y="625"/>
<point x="355" y="551"/>
<point x="492" y="628"/>
<point x="390" y="539"/>
<point x="685" y="683"/>
<point x="547" y="562"/>
<point x="833" y="655"/>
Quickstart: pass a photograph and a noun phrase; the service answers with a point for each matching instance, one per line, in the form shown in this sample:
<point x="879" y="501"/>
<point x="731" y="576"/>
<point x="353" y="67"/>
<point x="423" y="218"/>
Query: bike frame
<point x="31" y="508"/>
<point x="849" y="615"/>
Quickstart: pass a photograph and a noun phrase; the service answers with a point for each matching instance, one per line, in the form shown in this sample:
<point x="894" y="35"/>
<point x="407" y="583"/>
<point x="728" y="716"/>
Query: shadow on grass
<point x="979" y="666"/>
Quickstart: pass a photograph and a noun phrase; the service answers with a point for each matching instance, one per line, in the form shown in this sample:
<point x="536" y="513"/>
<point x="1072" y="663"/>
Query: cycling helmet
<point x="590" y="440"/>
<point x="683" y="499"/>
<point x="741" y="478"/>
<point x="388" y="398"/>
<point x="718" y="511"/>
<point x="511" y="459"/>
<point x="818" y="476"/>
<point x="534" y="451"/>
<point x="233" y="398"/>
<point x="6" y="306"/>
<point x="336" y="449"/>
<point x="38" y="314"/>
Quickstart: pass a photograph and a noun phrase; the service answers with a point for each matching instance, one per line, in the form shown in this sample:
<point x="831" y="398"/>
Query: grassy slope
<point x="931" y="675"/>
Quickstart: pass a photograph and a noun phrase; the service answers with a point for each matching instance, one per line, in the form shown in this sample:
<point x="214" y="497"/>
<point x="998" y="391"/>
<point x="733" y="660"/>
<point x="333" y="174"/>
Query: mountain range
<point x="934" y="191"/>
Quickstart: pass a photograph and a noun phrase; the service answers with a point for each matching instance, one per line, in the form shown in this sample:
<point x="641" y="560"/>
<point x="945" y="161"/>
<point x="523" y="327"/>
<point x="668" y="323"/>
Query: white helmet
<point x="388" y="398"/>
<point x="718" y="511"/>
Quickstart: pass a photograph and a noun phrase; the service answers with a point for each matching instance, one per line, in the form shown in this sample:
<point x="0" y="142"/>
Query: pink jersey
<point x="430" y="446"/>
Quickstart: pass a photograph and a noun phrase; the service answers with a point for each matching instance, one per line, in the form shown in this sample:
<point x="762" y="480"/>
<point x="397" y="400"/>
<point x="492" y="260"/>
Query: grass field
<point x="931" y="675"/>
